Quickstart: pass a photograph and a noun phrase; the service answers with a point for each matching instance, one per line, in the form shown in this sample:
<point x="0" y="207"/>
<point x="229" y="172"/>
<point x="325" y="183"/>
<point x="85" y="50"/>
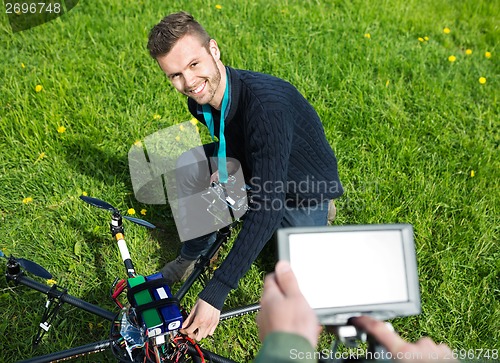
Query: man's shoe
<point x="178" y="269"/>
<point x="332" y="212"/>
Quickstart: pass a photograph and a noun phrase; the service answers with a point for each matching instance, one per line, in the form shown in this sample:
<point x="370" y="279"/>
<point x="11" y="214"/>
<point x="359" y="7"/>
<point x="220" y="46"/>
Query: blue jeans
<point x="294" y="217"/>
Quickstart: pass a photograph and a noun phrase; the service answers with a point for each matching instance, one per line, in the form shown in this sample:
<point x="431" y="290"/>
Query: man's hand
<point x="214" y="178"/>
<point x="424" y="350"/>
<point x="202" y="321"/>
<point x="284" y="308"/>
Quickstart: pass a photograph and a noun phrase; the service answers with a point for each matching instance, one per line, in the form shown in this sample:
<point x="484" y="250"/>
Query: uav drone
<point x="146" y="328"/>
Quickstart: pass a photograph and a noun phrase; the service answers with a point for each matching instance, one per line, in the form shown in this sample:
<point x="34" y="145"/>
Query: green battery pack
<point x="150" y="317"/>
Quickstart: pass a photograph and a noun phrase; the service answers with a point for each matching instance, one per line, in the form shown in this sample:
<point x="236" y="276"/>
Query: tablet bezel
<point x="382" y="311"/>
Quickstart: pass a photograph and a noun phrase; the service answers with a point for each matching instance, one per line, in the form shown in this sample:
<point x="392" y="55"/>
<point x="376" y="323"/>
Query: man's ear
<point x="214" y="49"/>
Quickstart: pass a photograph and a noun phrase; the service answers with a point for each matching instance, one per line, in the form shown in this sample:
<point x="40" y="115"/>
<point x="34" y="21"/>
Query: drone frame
<point x="60" y="296"/>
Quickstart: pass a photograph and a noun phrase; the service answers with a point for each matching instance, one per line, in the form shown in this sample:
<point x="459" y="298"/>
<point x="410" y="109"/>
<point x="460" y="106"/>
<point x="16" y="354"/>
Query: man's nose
<point x="190" y="79"/>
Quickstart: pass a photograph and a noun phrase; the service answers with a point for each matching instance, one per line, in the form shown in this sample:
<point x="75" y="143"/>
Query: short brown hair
<point x="170" y="29"/>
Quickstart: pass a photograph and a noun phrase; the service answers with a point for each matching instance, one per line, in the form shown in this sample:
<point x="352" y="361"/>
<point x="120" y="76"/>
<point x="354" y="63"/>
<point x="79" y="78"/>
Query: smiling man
<point x="271" y="129"/>
<point x="192" y="68"/>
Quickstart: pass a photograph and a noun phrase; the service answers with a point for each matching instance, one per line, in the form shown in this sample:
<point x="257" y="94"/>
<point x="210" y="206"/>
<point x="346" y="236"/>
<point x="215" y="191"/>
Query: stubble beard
<point x="212" y="86"/>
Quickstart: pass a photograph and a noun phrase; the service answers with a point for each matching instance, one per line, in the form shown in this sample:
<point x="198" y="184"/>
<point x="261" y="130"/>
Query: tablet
<point x="348" y="271"/>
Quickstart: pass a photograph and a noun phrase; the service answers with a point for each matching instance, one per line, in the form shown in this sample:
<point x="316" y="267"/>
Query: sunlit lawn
<point x="408" y="94"/>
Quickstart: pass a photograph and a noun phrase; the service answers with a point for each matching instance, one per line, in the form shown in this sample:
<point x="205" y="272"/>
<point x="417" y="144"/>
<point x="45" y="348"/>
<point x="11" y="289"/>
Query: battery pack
<point x="171" y="314"/>
<point x="156" y="307"/>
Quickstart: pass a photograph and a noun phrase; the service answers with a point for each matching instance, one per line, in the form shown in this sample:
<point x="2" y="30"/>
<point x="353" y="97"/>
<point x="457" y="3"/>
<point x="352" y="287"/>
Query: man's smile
<point x="199" y="89"/>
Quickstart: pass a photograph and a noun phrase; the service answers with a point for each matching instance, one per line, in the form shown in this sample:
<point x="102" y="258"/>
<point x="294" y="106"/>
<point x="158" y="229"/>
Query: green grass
<point x="416" y="136"/>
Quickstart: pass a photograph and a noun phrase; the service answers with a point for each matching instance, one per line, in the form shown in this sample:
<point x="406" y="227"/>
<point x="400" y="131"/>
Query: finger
<point x="213" y="323"/>
<point x="271" y="288"/>
<point x="188" y="320"/>
<point x="425" y="343"/>
<point x="286" y="279"/>
<point x="212" y="329"/>
<point x="259" y="319"/>
<point x="203" y="331"/>
<point x="188" y="331"/>
<point x="191" y="324"/>
<point x="191" y="335"/>
<point x="385" y="336"/>
<point x="270" y="280"/>
<point x="191" y="331"/>
<point x="199" y="334"/>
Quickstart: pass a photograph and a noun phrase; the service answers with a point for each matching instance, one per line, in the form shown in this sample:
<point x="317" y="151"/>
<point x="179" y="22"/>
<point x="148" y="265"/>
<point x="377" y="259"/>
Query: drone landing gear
<point x="52" y="307"/>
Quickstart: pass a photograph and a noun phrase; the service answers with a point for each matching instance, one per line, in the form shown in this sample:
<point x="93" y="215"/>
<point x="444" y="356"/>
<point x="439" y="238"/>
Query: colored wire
<point x="157" y="354"/>
<point x="120" y="286"/>
<point x="182" y="342"/>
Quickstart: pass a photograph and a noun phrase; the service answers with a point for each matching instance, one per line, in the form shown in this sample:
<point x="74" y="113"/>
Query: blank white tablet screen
<point x="336" y="269"/>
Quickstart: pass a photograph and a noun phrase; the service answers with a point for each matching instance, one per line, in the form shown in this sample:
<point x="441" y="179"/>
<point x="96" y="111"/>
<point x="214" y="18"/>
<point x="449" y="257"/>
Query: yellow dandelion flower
<point x="138" y="143"/>
<point x="38" y="88"/>
<point x="156" y="116"/>
<point x="421" y="39"/>
<point x="131" y="211"/>
<point x="468" y="51"/>
<point x="181" y="127"/>
<point x="426" y="38"/>
<point x="367" y="35"/>
<point x="193" y="121"/>
<point x="51" y="282"/>
<point x="218" y="7"/>
<point x="143" y="212"/>
<point x="472" y="173"/>
<point x="482" y="80"/>
<point x="452" y="58"/>
<point x="446" y="30"/>
<point x="85" y="194"/>
<point x="61" y="129"/>
<point x="487" y="55"/>
<point x="27" y="200"/>
<point x="41" y="157"/>
<point x="22" y="65"/>
<point x="177" y="138"/>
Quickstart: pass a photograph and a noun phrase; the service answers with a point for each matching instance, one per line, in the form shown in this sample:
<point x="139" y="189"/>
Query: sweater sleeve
<point x="286" y="347"/>
<point x="269" y="146"/>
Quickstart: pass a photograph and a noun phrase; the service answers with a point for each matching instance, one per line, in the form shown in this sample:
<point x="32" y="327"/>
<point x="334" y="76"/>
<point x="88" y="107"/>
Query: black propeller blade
<point x="98" y="203"/>
<point x="140" y="222"/>
<point x="103" y="205"/>
<point x="30" y="266"/>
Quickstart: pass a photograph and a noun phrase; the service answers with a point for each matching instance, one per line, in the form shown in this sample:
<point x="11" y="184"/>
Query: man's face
<point x="193" y="71"/>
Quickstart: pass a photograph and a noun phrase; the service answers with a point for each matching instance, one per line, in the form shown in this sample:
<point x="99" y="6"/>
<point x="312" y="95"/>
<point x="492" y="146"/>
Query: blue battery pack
<point x="171" y="314"/>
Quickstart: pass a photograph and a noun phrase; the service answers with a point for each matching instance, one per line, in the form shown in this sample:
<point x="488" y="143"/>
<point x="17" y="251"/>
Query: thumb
<point x="189" y="319"/>
<point x="286" y="279"/>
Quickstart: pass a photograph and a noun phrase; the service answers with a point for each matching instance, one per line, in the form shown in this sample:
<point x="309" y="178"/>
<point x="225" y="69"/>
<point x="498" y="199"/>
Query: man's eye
<point x="194" y="65"/>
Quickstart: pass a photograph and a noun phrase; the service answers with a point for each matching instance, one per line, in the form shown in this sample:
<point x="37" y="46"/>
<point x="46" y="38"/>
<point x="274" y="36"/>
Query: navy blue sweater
<point x="278" y="138"/>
